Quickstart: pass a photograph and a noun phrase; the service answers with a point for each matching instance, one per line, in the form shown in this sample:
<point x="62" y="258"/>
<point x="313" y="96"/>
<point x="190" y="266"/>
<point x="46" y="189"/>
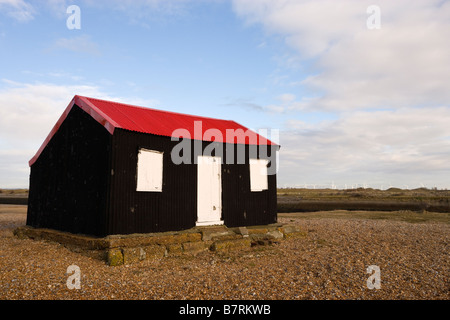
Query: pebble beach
<point x="330" y="263"/>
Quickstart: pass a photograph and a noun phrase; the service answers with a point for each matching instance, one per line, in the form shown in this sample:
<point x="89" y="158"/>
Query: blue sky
<point x="200" y="59"/>
<point x="354" y="106"/>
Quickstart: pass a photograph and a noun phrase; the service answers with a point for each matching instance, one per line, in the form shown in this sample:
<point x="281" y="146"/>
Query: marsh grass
<point x="402" y="215"/>
<point x="419" y="194"/>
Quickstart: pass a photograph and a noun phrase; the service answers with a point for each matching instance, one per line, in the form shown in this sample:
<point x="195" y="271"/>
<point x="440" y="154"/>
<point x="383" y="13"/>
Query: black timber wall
<point x="68" y="182"/>
<point x="175" y="208"/>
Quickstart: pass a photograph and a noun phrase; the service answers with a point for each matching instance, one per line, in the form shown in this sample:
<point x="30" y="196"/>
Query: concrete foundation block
<point x="195" y="247"/>
<point x="115" y="257"/>
<point x="226" y="245"/>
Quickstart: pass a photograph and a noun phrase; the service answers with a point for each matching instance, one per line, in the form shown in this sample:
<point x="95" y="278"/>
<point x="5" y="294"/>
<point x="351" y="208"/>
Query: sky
<point x="356" y="92"/>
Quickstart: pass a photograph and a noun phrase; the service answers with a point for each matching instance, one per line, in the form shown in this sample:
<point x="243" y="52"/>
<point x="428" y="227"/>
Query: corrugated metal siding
<point x="139" y="212"/>
<point x="175" y="208"/>
<point x="68" y="183"/>
<point x="241" y="206"/>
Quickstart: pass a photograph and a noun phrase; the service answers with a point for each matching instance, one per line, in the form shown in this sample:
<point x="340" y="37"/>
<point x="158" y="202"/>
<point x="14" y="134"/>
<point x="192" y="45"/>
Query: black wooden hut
<point x="112" y="168"/>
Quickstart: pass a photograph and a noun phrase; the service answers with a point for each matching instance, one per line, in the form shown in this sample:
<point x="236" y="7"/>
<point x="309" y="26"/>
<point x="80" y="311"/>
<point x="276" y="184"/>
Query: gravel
<point x="329" y="263"/>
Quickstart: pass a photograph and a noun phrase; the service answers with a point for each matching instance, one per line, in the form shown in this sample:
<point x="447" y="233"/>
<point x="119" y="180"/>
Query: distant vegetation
<point x="403" y="215"/>
<point x="313" y="200"/>
<point x="308" y="200"/>
<point x="13" y="191"/>
<point x="14" y="196"/>
<point x="364" y="193"/>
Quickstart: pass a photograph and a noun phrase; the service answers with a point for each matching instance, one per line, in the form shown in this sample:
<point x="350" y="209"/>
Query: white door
<point x="209" y="191"/>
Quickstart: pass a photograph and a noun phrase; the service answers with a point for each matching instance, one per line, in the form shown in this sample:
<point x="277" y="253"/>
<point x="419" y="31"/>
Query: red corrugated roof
<point x="114" y="115"/>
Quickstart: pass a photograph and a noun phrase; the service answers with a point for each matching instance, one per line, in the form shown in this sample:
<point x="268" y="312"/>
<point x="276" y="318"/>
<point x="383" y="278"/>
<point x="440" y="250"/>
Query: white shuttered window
<point x="258" y="174"/>
<point x="149" y="170"/>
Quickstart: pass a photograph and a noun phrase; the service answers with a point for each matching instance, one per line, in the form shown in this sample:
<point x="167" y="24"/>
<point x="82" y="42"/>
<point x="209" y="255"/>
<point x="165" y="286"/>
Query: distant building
<point x="111" y="168"/>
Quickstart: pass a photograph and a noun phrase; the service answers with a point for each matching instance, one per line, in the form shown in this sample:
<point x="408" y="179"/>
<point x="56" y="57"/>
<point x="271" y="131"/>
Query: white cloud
<point x="20" y="10"/>
<point x="387" y="88"/>
<point x="14" y="169"/>
<point x="286" y="97"/>
<point x="58" y="7"/>
<point x="81" y="44"/>
<point x="405" y="63"/>
<point x="28" y="112"/>
<point x="24" y="11"/>
<point x="409" y="145"/>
